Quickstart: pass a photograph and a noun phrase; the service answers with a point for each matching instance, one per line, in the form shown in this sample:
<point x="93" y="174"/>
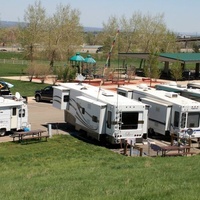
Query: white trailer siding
<point x="91" y="114"/>
<point x="159" y="115"/>
<point x="5" y="118"/>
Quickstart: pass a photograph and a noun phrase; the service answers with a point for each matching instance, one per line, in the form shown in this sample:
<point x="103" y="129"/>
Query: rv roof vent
<point x="143" y="86"/>
<point x="173" y="83"/>
<point x="107" y="94"/>
<point x="181" y="86"/>
<point x="171" y="95"/>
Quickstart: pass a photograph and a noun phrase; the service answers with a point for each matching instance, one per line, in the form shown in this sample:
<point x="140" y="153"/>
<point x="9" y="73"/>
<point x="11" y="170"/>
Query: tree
<point x="195" y="47"/>
<point x="141" y="33"/>
<point x="32" y="34"/>
<point x="64" y="33"/>
<point x="176" y="70"/>
<point x="109" y="35"/>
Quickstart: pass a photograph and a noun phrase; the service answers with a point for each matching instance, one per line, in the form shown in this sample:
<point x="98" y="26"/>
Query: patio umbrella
<point x="90" y="62"/>
<point x="77" y="58"/>
<point x="89" y="59"/>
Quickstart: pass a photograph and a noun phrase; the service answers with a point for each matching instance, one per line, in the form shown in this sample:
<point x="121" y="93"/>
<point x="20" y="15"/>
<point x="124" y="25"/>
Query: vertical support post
<point x="172" y="139"/>
<point x="125" y="147"/>
<point x="141" y="151"/>
<point x="49" y="130"/>
<point x="131" y="148"/>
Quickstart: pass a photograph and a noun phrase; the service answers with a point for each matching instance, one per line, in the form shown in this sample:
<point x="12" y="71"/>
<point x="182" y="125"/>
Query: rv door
<point x="13" y="118"/>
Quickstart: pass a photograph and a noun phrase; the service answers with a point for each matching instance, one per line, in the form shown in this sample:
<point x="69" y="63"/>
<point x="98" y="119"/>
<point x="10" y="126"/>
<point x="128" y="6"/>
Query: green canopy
<point x="89" y="59"/>
<point x="77" y="58"/>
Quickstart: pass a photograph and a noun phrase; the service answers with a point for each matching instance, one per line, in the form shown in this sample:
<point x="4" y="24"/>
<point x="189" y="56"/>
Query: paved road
<point x="40" y="115"/>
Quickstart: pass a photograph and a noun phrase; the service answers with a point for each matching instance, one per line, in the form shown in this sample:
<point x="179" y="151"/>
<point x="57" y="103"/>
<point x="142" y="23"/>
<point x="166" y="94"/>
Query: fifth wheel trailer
<point x="103" y="114"/>
<point x="169" y="112"/>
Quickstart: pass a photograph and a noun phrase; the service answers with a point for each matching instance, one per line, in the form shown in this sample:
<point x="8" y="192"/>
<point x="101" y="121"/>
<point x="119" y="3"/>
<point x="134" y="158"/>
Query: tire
<point x="151" y="132"/>
<point x="37" y="98"/>
<point x="2" y="132"/>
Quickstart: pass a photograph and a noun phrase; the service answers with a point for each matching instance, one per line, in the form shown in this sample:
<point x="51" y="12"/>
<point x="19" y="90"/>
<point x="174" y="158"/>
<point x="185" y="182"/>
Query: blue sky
<point x="180" y="15"/>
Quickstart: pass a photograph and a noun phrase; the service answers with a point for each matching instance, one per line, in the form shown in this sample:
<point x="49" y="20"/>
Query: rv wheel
<point x="2" y="132"/>
<point x="38" y="98"/>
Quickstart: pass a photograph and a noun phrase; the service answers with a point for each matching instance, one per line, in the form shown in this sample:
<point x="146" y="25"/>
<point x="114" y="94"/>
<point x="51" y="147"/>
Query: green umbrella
<point x="89" y="59"/>
<point x="77" y="58"/>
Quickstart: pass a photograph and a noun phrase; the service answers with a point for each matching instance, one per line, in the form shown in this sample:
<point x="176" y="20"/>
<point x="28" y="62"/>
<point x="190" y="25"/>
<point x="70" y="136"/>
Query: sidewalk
<point x="107" y="84"/>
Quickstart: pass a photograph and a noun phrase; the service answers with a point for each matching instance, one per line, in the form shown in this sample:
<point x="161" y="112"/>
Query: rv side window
<point x="83" y="111"/>
<point x="14" y="112"/>
<point x="176" y="119"/>
<point x="109" y="119"/>
<point x="122" y="93"/>
<point x="193" y="120"/>
<point x="94" y="119"/>
<point x="66" y="98"/>
<point x="22" y="113"/>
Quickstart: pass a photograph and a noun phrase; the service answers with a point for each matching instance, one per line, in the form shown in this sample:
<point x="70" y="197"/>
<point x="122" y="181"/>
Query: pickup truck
<point x="45" y="94"/>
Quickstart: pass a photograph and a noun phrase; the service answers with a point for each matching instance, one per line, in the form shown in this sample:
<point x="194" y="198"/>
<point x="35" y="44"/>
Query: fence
<point x="14" y="61"/>
<point x="25" y="62"/>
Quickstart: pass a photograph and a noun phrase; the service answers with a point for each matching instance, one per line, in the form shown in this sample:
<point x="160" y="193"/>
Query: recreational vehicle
<point x="169" y="112"/>
<point x="183" y="90"/>
<point x="102" y="114"/>
<point x="13" y="113"/>
<point x="194" y="85"/>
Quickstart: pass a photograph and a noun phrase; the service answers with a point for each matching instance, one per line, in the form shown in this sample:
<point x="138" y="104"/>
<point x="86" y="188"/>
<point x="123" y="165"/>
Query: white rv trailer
<point x="190" y="93"/>
<point x="13" y="114"/>
<point x="169" y="112"/>
<point x="103" y="114"/>
<point x="194" y="85"/>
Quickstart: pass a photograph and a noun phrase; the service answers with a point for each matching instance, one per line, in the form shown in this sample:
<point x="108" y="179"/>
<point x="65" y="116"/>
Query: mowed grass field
<point x="68" y="168"/>
<point x="65" y="167"/>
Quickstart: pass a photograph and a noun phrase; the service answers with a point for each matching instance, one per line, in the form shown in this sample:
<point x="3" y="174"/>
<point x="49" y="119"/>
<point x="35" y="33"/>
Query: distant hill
<point x="14" y="24"/>
<point x="9" y="24"/>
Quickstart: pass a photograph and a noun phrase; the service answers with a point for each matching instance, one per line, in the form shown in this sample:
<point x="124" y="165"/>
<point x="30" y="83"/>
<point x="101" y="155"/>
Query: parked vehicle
<point x="45" y="94"/>
<point x="4" y="88"/>
<point x="169" y="112"/>
<point x="193" y="85"/>
<point x="191" y="93"/>
<point x="102" y="114"/>
<point x="14" y="114"/>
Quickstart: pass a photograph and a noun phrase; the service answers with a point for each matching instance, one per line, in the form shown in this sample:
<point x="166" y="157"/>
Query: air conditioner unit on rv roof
<point x="171" y="95"/>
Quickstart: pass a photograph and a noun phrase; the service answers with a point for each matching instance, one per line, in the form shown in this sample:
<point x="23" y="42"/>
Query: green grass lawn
<point x="67" y="168"/>
<point x="25" y="88"/>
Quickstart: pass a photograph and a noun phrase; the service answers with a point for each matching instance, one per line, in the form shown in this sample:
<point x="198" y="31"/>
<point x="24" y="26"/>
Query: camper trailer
<point x="194" y="85"/>
<point x="13" y="113"/>
<point x="169" y="112"/>
<point x="183" y="90"/>
<point x="102" y="114"/>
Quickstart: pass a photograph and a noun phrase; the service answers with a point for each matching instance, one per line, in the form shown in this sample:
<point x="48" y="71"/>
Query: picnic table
<point x="30" y="135"/>
<point x="175" y="150"/>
